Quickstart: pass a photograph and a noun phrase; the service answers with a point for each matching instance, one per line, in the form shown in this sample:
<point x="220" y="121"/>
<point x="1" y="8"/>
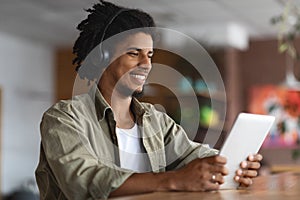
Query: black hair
<point x="94" y="30"/>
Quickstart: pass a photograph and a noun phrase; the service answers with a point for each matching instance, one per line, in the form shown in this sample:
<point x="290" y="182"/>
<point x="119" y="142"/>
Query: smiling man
<point x="105" y="142"/>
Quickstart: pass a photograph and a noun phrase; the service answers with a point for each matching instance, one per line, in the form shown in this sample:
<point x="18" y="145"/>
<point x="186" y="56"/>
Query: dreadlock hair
<point x="94" y="30"/>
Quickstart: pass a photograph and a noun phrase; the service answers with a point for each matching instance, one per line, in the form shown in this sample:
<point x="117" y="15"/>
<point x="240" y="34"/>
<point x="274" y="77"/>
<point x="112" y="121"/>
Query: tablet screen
<point x="244" y="139"/>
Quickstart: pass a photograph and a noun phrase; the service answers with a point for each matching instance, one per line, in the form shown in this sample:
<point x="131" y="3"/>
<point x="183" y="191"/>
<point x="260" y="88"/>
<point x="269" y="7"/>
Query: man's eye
<point x="133" y="53"/>
<point x="150" y="55"/>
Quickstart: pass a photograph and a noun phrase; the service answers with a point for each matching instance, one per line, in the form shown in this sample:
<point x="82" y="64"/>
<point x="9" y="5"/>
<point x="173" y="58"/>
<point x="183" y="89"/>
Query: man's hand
<point x="202" y="174"/>
<point x="249" y="170"/>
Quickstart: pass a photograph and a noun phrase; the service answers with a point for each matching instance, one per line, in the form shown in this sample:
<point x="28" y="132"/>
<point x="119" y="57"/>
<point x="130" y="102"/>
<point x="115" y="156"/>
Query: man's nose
<point x="145" y="61"/>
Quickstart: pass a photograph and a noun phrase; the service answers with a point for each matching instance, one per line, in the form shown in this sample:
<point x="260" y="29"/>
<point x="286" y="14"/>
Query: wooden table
<point x="284" y="186"/>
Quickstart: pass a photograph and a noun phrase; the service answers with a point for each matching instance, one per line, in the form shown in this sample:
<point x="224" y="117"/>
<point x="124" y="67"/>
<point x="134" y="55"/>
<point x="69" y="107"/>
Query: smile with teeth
<point x="140" y="77"/>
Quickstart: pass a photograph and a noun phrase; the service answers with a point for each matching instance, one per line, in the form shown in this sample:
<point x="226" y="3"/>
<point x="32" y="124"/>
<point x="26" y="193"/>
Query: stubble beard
<point x="138" y="94"/>
<point x="128" y="92"/>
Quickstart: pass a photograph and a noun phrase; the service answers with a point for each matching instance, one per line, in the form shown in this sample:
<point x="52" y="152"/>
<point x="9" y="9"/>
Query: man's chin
<point x="138" y="93"/>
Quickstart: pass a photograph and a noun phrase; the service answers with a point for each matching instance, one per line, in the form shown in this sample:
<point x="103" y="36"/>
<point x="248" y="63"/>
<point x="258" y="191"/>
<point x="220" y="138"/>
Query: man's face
<point x="131" y="63"/>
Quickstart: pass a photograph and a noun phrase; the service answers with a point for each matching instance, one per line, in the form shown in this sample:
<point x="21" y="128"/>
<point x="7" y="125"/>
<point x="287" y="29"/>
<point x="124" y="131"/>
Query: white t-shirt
<point x="132" y="153"/>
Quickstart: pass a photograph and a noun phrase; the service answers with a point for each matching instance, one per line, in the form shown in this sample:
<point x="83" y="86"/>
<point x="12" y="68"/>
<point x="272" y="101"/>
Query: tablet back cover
<point x="244" y="139"/>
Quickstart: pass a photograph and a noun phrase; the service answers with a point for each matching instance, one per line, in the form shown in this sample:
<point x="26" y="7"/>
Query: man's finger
<point x="244" y="181"/>
<point x="246" y="173"/>
<point x="255" y="157"/>
<point x="217" y="160"/>
<point x="250" y="165"/>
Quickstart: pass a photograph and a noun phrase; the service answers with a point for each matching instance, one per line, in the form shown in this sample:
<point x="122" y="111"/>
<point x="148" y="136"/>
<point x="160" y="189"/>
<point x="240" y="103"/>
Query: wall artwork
<point x="284" y="104"/>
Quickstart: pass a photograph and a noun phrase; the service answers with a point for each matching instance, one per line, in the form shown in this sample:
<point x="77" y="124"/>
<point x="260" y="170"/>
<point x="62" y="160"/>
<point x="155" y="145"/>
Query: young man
<point x="107" y="143"/>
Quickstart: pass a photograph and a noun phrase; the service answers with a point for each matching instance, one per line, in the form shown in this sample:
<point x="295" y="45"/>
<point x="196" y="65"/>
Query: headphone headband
<point x="104" y="54"/>
<point x="111" y="21"/>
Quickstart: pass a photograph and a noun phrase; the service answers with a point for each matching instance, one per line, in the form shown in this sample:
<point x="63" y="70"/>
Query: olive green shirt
<point x="79" y="156"/>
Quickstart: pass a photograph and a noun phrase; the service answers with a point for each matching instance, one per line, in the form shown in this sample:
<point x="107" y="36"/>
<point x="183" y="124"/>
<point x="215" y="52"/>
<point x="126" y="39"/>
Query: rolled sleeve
<point x="180" y="150"/>
<point x="114" y="179"/>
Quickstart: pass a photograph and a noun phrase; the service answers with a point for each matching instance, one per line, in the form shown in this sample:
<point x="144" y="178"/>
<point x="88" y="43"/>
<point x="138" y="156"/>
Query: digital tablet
<point x="244" y="139"/>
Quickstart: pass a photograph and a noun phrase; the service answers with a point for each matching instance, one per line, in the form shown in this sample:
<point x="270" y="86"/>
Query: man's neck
<point x="120" y="105"/>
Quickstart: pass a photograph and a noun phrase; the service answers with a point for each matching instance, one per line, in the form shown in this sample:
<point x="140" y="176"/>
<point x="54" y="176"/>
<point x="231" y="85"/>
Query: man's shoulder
<point x="73" y="104"/>
<point x="146" y="105"/>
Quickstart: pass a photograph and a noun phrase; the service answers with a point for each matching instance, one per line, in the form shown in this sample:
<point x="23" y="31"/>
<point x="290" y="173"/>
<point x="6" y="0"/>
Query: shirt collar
<point x="137" y="108"/>
<point x="101" y="105"/>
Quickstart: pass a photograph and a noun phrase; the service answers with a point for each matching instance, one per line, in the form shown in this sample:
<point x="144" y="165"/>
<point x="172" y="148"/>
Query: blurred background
<point x="253" y="43"/>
